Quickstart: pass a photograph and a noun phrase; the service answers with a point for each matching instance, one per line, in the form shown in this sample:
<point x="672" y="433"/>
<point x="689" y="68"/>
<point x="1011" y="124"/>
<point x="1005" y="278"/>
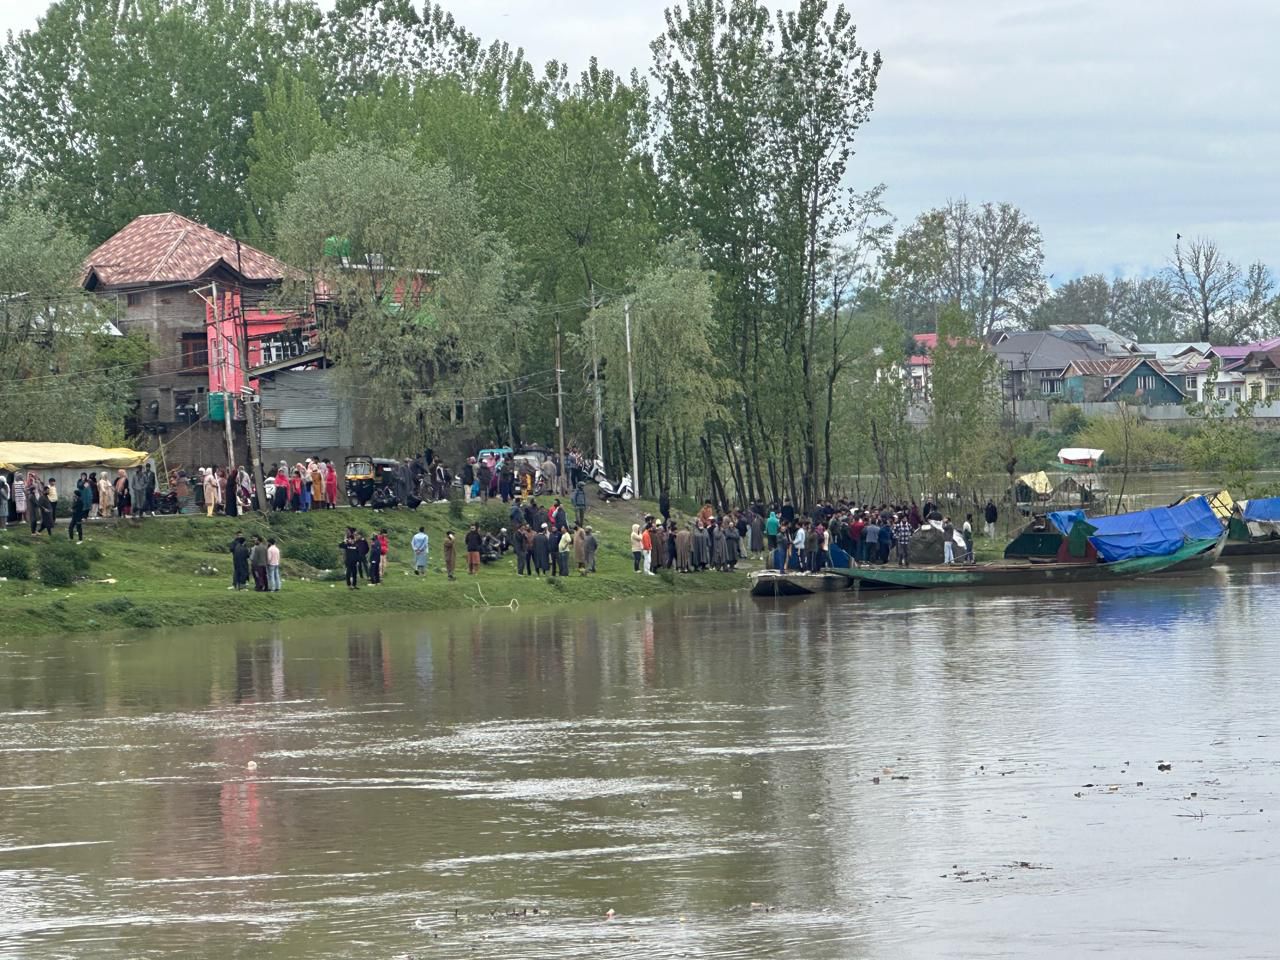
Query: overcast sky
<point x="1113" y="123"/>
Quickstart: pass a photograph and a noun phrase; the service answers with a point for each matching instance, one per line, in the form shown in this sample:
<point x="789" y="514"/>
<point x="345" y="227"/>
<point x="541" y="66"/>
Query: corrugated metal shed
<point x="302" y="413"/>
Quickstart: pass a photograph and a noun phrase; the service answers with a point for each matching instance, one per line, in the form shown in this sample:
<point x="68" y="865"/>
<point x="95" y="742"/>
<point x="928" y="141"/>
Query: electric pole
<point x="595" y="383"/>
<point x="559" y="405"/>
<point x="224" y="370"/>
<point x="631" y="400"/>
<point x="251" y="412"/>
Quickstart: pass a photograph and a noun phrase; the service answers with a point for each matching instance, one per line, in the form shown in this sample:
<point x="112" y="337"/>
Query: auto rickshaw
<point x="366" y="476"/>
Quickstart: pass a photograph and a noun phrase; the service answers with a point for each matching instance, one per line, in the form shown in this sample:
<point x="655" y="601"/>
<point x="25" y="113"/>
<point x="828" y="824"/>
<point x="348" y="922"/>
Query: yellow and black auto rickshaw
<point x="366" y="476"/>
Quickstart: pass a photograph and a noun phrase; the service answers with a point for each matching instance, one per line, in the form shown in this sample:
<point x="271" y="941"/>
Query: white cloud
<point x="1114" y="123"/>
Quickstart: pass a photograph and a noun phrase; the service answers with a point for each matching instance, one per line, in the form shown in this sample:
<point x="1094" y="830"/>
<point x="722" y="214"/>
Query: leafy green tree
<point x="758" y="116"/>
<point x="679" y="383"/>
<point x="114" y="110"/>
<point x="62" y="378"/>
<point x="417" y="288"/>
<point x="964" y="408"/>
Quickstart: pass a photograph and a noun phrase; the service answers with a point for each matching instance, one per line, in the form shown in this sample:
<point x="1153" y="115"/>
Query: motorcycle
<point x="615" y="491"/>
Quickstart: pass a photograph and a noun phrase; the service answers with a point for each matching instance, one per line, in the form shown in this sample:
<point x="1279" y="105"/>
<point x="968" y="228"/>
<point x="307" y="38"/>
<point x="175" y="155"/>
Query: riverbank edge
<point x="145" y="578"/>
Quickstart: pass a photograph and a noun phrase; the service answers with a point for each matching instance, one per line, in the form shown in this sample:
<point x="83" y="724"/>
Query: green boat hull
<point x="1025" y="574"/>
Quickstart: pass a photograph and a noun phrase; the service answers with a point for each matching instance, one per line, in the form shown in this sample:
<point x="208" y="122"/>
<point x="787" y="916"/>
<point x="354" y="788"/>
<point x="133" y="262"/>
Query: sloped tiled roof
<point x="169" y="248"/>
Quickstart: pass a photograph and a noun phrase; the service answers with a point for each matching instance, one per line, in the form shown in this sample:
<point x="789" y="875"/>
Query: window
<point x="133" y="300"/>
<point x="195" y="351"/>
<point x="1048" y="386"/>
<point x="1107" y="382"/>
<point x="1255" y="391"/>
<point x="1222" y="393"/>
<point x="282" y="346"/>
<point x="1236" y="393"/>
<point x="1273" y="389"/>
<point x="1146" y="382"/>
<point x="1191" y="385"/>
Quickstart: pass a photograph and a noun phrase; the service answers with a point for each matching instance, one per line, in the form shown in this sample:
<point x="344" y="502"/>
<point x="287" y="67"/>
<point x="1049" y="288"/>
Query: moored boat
<point x="1253" y="528"/>
<point x="775" y="583"/>
<point x="1015" y="574"/>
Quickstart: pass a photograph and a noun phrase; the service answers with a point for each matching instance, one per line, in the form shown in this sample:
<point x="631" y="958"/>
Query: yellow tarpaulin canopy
<point x="19" y="455"/>
<point x="1221" y="502"/>
<point x="1039" y="482"/>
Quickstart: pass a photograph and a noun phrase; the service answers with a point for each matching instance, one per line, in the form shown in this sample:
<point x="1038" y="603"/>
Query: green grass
<point x="161" y="572"/>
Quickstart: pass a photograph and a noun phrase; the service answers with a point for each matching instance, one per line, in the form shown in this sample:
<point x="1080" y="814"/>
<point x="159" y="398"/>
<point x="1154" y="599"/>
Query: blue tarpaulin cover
<point x="1263" y="511"/>
<point x="1146" y="533"/>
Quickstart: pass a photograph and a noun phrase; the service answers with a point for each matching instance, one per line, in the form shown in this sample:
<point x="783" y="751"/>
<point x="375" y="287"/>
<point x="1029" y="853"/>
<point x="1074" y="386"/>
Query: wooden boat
<point x="1203" y="560"/>
<point x="774" y="583"/>
<point x="1251" y="548"/>
<point x="1013" y="574"/>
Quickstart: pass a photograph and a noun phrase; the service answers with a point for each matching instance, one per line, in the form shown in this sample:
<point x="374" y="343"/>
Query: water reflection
<point x="870" y="773"/>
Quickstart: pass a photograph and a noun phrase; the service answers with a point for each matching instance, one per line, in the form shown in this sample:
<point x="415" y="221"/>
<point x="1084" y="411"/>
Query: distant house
<point x="1184" y="363"/>
<point x="1231" y="383"/>
<point x="160" y="273"/>
<point x="920" y="364"/>
<point x="1136" y="378"/>
<point x="1033" y="363"/>
<point x="1261" y="373"/>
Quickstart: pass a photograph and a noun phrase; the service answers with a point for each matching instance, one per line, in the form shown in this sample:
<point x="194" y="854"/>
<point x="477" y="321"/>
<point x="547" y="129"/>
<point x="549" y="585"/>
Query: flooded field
<point x="1055" y="774"/>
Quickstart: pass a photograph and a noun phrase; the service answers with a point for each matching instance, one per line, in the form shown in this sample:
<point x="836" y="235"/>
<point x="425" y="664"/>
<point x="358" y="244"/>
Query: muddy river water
<point x="901" y="776"/>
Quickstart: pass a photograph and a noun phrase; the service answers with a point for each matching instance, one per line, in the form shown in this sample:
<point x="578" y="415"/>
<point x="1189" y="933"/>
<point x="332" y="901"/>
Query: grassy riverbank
<point x="175" y="571"/>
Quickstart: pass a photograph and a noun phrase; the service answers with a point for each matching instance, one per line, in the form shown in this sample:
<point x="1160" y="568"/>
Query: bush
<point x="313" y="554"/>
<point x="494" y="516"/>
<point x="456" y="504"/>
<point x="15" y="566"/>
<point x="143" y="617"/>
<point x="56" y="569"/>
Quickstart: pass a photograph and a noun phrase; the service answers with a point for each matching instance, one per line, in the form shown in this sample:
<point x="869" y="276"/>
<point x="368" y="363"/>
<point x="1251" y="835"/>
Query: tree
<point x="679" y="387"/>
<point x="62" y="378"/>
<point x="964" y="405"/>
<point x="988" y="261"/>
<point x="117" y="109"/>
<point x="757" y="118"/>
<point x="1206" y="286"/>
<point x="425" y="274"/>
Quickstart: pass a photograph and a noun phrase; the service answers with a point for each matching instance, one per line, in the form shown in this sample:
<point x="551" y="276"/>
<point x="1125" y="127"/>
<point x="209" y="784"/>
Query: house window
<point x="1107" y="382"/>
<point x="282" y="346"/>
<point x="195" y="351"/>
<point x="1191" y="384"/>
<point x="1146" y="382"/>
<point x="1222" y="393"/>
<point x="133" y="299"/>
<point x="1236" y="393"/>
<point x="1255" y="391"/>
<point x="1048" y="386"/>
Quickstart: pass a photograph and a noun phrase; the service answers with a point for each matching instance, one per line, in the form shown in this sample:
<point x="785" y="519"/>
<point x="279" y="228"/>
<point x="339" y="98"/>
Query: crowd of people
<point x="37" y="501"/>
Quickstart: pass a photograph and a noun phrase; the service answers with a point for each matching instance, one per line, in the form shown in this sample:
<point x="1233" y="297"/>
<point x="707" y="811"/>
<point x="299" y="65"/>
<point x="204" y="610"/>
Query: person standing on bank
<point x="273" y="566"/>
<point x="566" y="548"/>
<point x="47" y="507"/>
<point x="375" y="561"/>
<point x="419" y="544"/>
<point x="450" y="553"/>
<point x="948" y="541"/>
<point x="991" y="515"/>
<point x="79" y="510"/>
<point x="351" y="559"/>
<point x="4" y="502"/>
<point x="258" y="564"/>
<point x="474" y="543"/>
<point x="239" y="562"/>
<point x="902" y="537"/>
<point x="35" y="490"/>
<point x="580" y="504"/>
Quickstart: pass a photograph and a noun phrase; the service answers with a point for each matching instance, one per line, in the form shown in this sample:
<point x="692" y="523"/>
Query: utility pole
<point x="595" y="383"/>
<point x="559" y="405"/>
<point x="224" y="369"/>
<point x="251" y="412"/>
<point x="631" y="400"/>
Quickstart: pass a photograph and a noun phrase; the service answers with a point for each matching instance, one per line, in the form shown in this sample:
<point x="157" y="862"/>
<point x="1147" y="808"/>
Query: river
<point x="900" y="776"/>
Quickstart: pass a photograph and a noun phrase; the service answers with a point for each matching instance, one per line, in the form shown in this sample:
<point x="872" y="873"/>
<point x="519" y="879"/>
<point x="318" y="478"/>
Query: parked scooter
<point x="615" y="491"/>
